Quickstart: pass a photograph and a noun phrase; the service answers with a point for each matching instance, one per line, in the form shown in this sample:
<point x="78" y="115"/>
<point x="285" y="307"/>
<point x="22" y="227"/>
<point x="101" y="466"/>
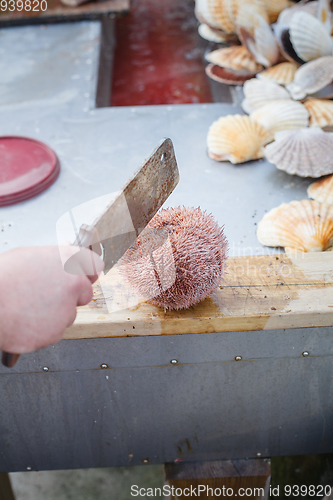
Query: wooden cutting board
<point x="258" y="293"/>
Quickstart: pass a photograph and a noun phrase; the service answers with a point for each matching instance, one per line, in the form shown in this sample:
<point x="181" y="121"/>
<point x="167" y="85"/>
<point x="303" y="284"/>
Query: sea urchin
<point x="178" y="260"/>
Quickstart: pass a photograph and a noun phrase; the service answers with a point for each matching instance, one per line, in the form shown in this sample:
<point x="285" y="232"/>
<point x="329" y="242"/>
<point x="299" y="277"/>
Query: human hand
<point x="38" y="299"/>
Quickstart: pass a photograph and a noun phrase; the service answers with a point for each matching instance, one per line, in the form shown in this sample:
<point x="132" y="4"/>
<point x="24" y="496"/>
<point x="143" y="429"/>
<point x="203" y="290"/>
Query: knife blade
<point x="121" y="222"/>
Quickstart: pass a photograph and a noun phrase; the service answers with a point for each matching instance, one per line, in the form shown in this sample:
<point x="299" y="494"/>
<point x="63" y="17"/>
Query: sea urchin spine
<point x="178" y="260"/>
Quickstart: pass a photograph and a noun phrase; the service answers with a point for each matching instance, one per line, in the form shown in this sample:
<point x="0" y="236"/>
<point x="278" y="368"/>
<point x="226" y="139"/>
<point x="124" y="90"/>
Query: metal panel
<point x="206" y="407"/>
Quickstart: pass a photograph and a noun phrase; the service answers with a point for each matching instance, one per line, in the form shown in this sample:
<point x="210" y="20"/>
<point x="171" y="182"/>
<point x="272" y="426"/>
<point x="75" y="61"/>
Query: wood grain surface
<point x="258" y="293"/>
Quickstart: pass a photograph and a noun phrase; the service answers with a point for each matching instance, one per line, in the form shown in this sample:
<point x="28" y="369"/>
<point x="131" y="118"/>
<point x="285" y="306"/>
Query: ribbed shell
<point x="247" y="14"/>
<point x="260" y="92"/>
<point x="215" y="13"/>
<point x="320" y="111"/>
<point x="227" y="76"/>
<point x="274" y="7"/>
<point x="211" y="35"/>
<point x="305" y="226"/>
<point x="282" y="73"/>
<point x="306" y="152"/>
<point x="236" y="58"/>
<point x="311" y="77"/>
<point x="281" y="115"/>
<point x="236" y="138"/>
<point x="322" y="190"/>
<point x="309" y="37"/>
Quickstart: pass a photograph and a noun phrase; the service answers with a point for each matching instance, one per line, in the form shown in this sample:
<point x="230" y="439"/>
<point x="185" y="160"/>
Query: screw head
<point x="28" y="468"/>
<point x="174" y="361"/>
<point x="45" y="368"/>
<point x="238" y="358"/>
<point x="145" y="460"/>
<point x="104" y="366"/>
<point x="305" y="354"/>
<point x="258" y="454"/>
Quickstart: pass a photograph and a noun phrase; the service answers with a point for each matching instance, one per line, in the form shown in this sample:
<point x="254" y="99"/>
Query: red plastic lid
<point x="27" y="167"/>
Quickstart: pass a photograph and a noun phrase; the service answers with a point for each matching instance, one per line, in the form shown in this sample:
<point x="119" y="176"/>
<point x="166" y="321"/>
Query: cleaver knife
<point x="121" y="222"/>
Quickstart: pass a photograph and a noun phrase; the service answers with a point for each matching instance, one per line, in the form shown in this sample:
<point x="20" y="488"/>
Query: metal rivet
<point x="238" y="358"/>
<point x="45" y="368"/>
<point x="305" y="354"/>
<point x="145" y="460"/>
<point x="104" y="366"/>
<point x="28" y="468"/>
<point x="174" y="361"/>
<point x="258" y="454"/>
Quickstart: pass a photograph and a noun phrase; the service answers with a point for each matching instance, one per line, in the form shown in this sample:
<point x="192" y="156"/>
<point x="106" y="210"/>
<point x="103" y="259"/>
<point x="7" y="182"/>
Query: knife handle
<point x="9" y="359"/>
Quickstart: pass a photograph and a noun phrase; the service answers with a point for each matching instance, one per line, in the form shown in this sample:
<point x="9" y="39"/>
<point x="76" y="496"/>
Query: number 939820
<point x="23" y="5"/>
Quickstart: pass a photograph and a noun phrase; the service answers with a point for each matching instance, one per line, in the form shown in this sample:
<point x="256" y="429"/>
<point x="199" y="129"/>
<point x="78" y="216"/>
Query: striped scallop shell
<point x="305" y="226"/>
<point x="211" y="35"/>
<point x="320" y="111"/>
<point x="311" y="77"/>
<point x="282" y="73"/>
<point x="215" y="13"/>
<point x="306" y="152"/>
<point x="237" y="58"/>
<point x="281" y="115"/>
<point x="247" y="14"/>
<point x="322" y="190"/>
<point x="274" y="7"/>
<point x="236" y="138"/>
<point x="259" y="92"/>
<point x="309" y="37"/>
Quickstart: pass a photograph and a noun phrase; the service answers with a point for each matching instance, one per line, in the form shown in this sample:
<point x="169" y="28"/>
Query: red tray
<point x="27" y="167"/>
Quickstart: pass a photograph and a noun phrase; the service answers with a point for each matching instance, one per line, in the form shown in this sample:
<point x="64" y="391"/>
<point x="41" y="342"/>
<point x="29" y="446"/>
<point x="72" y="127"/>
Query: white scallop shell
<point x="258" y="92"/>
<point x="322" y="190"/>
<point x="324" y="15"/>
<point x="305" y="226"/>
<point x="262" y="44"/>
<point x="320" y="111"/>
<point x="237" y="58"/>
<point x="306" y="152"/>
<point x="282" y="73"/>
<point x="309" y="37"/>
<point x="311" y="77"/>
<point x="211" y="35"/>
<point x="236" y="138"/>
<point x="281" y="115"/>
<point x="247" y="14"/>
<point x="286" y="15"/>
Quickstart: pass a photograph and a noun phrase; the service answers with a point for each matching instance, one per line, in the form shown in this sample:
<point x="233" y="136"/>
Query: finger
<point x="84" y="262"/>
<point x="85" y="293"/>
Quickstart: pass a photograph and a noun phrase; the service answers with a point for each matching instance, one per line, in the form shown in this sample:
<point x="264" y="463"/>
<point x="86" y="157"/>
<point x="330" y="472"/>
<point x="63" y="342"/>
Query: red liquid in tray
<point x="159" y="55"/>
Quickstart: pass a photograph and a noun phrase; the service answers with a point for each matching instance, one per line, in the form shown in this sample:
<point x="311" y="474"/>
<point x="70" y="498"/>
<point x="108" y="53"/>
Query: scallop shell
<point x="324" y="15"/>
<point x="247" y="14"/>
<point x="274" y="7"/>
<point x="322" y="190"/>
<point x="258" y="92"/>
<point x="309" y="37"/>
<point x="311" y="77"/>
<point x="281" y="32"/>
<point x="227" y="76"/>
<point x="320" y="111"/>
<point x="282" y="73"/>
<point x="237" y="58"/>
<point x="236" y="138"/>
<point x="306" y="152"/>
<point x="305" y="226"/>
<point x="216" y="14"/>
<point x="281" y="115"/>
<point x="211" y="35"/>
<point x="286" y="15"/>
<point x="262" y="44"/>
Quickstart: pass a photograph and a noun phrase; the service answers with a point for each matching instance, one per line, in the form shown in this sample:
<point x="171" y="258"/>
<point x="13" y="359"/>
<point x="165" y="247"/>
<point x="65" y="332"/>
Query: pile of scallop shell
<point x="289" y="110"/>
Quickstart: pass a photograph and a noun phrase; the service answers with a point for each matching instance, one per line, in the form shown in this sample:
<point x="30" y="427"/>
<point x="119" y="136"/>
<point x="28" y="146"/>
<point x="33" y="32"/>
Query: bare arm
<point x="38" y="299"/>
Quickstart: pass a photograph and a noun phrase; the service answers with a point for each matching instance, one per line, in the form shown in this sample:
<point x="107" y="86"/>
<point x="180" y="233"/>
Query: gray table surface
<point x="47" y="91"/>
